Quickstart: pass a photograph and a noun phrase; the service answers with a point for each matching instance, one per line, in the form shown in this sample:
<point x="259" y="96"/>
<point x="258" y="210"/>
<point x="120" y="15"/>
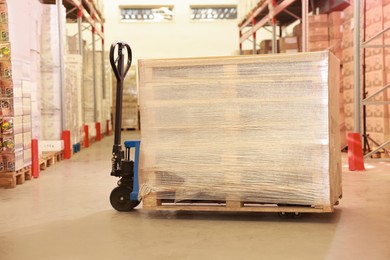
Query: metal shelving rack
<point x="276" y="13"/>
<point x="362" y="101"/>
<point x="80" y="11"/>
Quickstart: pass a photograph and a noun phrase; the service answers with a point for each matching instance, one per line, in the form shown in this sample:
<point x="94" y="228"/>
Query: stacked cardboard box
<point x="377" y="116"/>
<point x="15" y="130"/>
<point x="347" y="71"/>
<point x="318" y="32"/>
<point x="375" y="73"/>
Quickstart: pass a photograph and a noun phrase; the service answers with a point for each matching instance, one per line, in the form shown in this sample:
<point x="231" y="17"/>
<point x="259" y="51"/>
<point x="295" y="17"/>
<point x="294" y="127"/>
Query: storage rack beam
<point x="276" y="13"/>
<point x="272" y="14"/>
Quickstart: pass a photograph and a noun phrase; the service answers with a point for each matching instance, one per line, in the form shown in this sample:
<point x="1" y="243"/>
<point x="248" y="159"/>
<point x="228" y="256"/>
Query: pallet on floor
<point x="50" y="158"/>
<point x="9" y="180"/>
<point x="151" y="202"/>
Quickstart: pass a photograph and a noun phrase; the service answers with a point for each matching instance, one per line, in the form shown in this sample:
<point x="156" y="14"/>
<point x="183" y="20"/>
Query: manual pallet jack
<point x="125" y="196"/>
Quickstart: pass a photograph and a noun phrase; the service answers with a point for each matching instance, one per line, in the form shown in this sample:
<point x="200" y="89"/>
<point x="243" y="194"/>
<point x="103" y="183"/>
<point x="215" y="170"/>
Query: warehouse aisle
<point x="65" y="214"/>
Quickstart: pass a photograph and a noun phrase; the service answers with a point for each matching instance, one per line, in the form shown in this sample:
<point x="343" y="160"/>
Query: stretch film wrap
<point x="252" y="129"/>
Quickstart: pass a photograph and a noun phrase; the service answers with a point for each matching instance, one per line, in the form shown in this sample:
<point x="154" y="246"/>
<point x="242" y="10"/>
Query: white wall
<point x="179" y="38"/>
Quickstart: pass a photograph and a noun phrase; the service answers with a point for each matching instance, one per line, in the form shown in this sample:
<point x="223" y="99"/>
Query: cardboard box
<point x="336" y="32"/>
<point x="5" y="69"/>
<point x="318" y="46"/>
<point x="26" y="119"/>
<point x="374" y="63"/>
<point x="26" y="106"/>
<point x="27" y="136"/>
<point x="12" y="161"/>
<point x="348" y="83"/>
<point x="386" y="13"/>
<point x="348" y="96"/>
<point x="375" y="79"/>
<point x="288" y="43"/>
<point x="11" y="125"/>
<point x="206" y="112"/>
<point x="374" y="16"/>
<point x="27" y="157"/>
<point x="3" y="13"/>
<point x="349" y="110"/>
<point x="318" y="33"/>
<point x="369" y="52"/>
<point x="319" y="19"/>
<point x="11" y="143"/>
<point x="4" y="33"/>
<point x="371" y="4"/>
<point x="50" y="145"/>
<point x="335" y="45"/>
<point x="349" y="124"/>
<point x="347" y="55"/>
<point x="297" y="30"/>
<point x="348" y="69"/>
<point x="336" y="18"/>
<point x="5" y="51"/>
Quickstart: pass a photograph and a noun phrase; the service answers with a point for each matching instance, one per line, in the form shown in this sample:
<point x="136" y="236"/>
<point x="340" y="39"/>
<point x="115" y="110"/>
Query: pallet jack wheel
<point x="289" y="214"/>
<point x="120" y="199"/>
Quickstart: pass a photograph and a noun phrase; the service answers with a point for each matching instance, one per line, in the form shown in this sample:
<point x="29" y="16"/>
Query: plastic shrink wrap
<point x="257" y="129"/>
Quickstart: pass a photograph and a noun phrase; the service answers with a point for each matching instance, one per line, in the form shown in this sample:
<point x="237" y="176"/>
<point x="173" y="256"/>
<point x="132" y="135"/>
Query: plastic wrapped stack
<point x="50" y="75"/>
<point x="252" y="129"/>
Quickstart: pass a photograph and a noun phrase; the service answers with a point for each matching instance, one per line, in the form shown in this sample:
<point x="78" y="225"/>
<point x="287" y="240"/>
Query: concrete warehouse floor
<point x="66" y="214"/>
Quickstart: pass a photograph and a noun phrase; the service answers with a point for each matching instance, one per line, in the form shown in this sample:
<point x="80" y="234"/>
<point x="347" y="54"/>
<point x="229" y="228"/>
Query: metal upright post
<point x="305" y="25"/>
<point x="240" y="45"/>
<point x="61" y="65"/>
<point x="254" y="36"/>
<point x="357" y="67"/>
<point x="94" y="73"/>
<point x="81" y="52"/>
<point x="103" y="67"/>
<point x="274" y="41"/>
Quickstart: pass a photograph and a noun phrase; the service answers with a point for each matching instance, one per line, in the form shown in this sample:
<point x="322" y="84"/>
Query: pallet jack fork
<point x="125" y="196"/>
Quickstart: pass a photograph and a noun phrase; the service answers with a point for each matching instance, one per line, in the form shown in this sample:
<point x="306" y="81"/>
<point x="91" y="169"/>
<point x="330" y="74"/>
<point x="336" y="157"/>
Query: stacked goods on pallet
<point x="325" y="32"/>
<point x="50" y="87"/>
<point x="240" y="130"/>
<point x="377" y="116"/>
<point x="335" y="23"/>
<point x="129" y="100"/>
<point x="94" y="97"/>
<point x="347" y="71"/>
<point x="88" y="93"/>
<point x="73" y="81"/>
<point x="265" y="47"/>
<point x="15" y="104"/>
<point x="318" y="32"/>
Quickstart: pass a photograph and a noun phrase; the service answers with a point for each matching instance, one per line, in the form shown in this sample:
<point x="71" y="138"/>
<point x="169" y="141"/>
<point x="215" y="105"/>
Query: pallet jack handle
<point x="120" y="70"/>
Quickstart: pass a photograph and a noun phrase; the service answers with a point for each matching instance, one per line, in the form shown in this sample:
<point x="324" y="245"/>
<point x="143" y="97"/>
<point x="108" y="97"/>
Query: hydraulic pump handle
<point x="120" y="71"/>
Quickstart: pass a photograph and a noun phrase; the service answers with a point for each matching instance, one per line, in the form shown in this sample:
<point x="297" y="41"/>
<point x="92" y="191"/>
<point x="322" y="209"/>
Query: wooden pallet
<point x="151" y="202"/>
<point x="50" y="158"/>
<point x="9" y="180"/>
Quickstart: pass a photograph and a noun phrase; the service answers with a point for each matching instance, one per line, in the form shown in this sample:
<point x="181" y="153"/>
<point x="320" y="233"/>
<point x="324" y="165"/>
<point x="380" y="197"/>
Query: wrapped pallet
<point x="241" y="130"/>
